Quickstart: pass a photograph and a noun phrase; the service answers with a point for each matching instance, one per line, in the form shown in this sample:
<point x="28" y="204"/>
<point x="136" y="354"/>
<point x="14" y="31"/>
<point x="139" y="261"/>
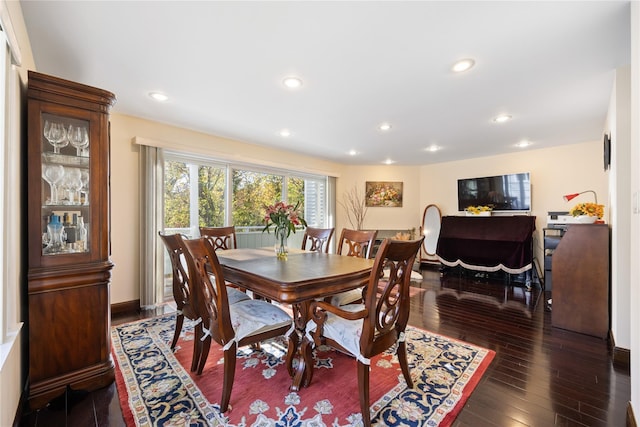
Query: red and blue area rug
<point x="157" y="389"/>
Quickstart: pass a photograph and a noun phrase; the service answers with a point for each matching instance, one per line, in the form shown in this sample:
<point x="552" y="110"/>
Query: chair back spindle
<point x="317" y="239"/>
<point x="357" y="243"/>
<point x="220" y="237"/>
<point x="208" y="284"/>
<point x="387" y="295"/>
<point x="182" y="289"/>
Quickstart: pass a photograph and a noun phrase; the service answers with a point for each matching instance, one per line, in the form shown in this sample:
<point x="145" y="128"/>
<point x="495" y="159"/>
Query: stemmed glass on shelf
<point x="56" y="135"/>
<point x="53" y="174"/>
<point x="73" y="183"/>
<point x="84" y="179"/>
<point x="79" y="138"/>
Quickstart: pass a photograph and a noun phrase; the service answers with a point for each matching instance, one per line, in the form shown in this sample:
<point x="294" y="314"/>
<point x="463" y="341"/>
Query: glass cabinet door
<point x="65" y="189"/>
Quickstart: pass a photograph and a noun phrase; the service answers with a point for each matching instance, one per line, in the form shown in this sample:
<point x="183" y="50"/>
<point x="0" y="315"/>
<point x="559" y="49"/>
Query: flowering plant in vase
<point x="588" y="209"/>
<point x="284" y="218"/>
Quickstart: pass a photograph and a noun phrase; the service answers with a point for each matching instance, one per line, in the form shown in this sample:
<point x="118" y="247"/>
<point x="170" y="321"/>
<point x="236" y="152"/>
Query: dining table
<point x="297" y="281"/>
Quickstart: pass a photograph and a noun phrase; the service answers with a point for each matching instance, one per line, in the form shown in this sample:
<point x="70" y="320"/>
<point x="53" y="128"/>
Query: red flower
<point x="283" y="216"/>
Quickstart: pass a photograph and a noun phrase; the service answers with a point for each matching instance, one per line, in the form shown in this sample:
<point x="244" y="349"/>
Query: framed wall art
<point x="383" y="194"/>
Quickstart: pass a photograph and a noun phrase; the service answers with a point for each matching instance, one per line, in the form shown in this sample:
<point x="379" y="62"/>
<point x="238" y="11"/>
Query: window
<point x="313" y="193"/>
<point x="194" y="195"/>
<point x="251" y="192"/>
<point x="202" y="192"/>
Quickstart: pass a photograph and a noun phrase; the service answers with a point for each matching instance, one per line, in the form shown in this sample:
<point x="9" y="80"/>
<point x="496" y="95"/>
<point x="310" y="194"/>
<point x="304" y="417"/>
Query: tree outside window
<point x="252" y="191"/>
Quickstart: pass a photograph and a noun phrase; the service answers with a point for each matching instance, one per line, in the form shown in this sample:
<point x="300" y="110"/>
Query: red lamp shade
<point x="568" y="197"/>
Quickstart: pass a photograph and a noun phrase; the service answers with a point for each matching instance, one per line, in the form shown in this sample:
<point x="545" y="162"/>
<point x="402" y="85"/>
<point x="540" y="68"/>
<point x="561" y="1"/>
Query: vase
<point x="482" y="213"/>
<point x="586" y="219"/>
<point x="281" y="243"/>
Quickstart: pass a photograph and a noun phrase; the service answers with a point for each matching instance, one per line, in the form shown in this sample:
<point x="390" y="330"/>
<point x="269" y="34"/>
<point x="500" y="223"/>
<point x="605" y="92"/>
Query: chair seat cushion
<point x="250" y="317"/>
<point x="348" y="297"/>
<point x="234" y="295"/>
<point x="345" y="332"/>
<point x="355" y="295"/>
<point x="415" y="276"/>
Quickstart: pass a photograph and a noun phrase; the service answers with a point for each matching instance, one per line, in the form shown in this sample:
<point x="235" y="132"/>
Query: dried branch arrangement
<point x="353" y="202"/>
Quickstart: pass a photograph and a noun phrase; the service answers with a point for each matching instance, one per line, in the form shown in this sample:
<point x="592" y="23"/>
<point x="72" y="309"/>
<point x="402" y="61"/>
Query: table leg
<point x="300" y="349"/>
<point x="292" y="349"/>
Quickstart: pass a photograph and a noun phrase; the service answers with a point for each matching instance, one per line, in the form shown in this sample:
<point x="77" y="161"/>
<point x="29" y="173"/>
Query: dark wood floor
<point x="541" y="376"/>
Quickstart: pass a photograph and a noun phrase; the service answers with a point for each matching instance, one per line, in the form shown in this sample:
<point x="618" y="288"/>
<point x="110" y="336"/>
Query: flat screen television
<point x="502" y="193"/>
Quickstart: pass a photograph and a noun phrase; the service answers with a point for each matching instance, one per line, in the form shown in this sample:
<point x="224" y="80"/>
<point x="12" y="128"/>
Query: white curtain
<point x="151" y="222"/>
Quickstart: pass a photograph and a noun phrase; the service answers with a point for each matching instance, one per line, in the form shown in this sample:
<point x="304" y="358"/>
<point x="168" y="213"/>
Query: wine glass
<point x="56" y="135"/>
<point x="64" y="195"/>
<point x="84" y="178"/>
<point x="53" y="174"/>
<point x="78" y="138"/>
<point x="74" y="183"/>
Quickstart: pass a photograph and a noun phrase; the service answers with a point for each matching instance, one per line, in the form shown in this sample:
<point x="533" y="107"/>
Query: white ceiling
<point x="550" y="65"/>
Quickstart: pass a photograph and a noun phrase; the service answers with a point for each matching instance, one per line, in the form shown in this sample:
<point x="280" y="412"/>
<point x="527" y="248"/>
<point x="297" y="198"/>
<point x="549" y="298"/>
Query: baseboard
<point x="631" y="419"/>
<point x="621" y="356"/>
<point x="127" y="307"/>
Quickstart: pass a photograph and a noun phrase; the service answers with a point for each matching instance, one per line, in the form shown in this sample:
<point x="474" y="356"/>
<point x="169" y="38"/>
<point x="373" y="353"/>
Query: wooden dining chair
<point x="181" y="289"/>
<point x="182" y="293"/>
<point x="365" y="330"/>
<point x="317" y="239"/>
<point x="230" y="325"/>
<point x="356" y="243"/>
<point x="220" y="237"/>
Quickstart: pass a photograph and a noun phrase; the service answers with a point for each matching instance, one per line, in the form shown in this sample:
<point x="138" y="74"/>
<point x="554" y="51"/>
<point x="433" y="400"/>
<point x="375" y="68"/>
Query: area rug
<point x="156" y="388"/>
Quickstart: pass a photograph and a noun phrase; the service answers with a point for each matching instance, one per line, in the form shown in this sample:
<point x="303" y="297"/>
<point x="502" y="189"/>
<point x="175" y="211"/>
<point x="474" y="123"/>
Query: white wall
<point x="618" y="125"/>
<point x="394" y="218"/>
<point x="634" y="194"/>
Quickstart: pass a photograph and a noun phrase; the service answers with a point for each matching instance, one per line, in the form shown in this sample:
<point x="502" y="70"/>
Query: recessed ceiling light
<point x="502" y="118"/>
<point x="388" y="162"/>
<point x="523" y="144"/>
<point x="352" y="152"/>
<point x="384" y="126"/>
<point x="463" y="65"/>
<point x="433" y="148"/>
<point x="158" y="96"/>
<point x="292" y="82"/>
<point x="285" y="133"/>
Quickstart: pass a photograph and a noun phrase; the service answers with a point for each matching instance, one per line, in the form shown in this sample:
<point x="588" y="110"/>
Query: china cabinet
<point x="68" y="237"/>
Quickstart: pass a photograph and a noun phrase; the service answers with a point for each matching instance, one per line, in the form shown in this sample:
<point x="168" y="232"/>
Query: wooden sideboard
<point x="580" y="271"/>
